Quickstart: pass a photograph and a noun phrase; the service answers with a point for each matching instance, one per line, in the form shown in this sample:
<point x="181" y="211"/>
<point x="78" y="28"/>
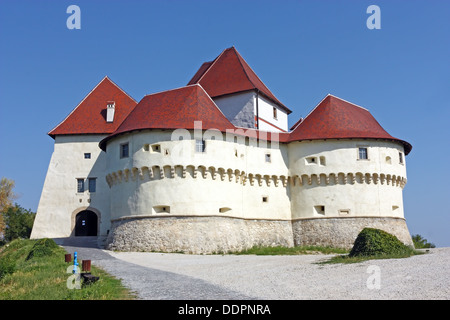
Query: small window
<point x="92" y="184"/>
<point x="200" y="145"/>
<point x="275" y="113"/>
<point x="400" y="157"/>
<point x="146" y="147"/>
<point x="344" y="211"/>
<point x="311" y="160"/>
<point x="80" y="185"/>
<point x="161" y="209"/>
<point x="362" y="154"/>
<point x="265" y="199"/>
<point x="156" y="148"/>
<point x="388" y="160"/>
<point x="268" y="157"/>
<point x="87" y="155"/>
<point x="319" y="209"/>
<point x="322" y="161"/>
<point x="124" y="150"/>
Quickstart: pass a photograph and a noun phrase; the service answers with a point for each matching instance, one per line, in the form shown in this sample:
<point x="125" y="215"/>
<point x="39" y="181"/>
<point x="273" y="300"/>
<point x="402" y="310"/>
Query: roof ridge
<point x="106" y="77"/>
<point x="239" y="57"/>
<point x="210" y="66"/>
<point x="332" y="95"/>
<point x="85" y="97"/>
<point x="203" y="89"/>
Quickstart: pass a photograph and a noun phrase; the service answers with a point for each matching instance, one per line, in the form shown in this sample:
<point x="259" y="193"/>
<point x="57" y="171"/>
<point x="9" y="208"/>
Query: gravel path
<point x="230" y="277"/>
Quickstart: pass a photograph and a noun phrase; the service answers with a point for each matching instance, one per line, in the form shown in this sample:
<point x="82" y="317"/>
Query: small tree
<point x="420" y="242"/>
<point x="6" y="197"/>
<point x="19" y="222"/>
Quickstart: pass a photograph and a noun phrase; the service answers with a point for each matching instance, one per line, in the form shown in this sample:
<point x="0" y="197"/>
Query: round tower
<point x="347" y="173"/>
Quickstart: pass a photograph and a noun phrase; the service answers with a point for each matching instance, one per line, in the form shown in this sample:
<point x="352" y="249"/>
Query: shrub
<point x="421" y="243"/>
<point x="7" y="266"/>
<point x="375" y="242"/>
<point x="42" y="247"/>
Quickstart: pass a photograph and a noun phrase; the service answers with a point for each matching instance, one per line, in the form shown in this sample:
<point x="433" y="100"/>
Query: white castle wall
<point x="265" y="113"/>
<point x="177" y="187"/>
<point x="228" y="179"/>
<point x="242" y="109"/>
<point x="343" y="184"/>
<point x="60" y="202"/>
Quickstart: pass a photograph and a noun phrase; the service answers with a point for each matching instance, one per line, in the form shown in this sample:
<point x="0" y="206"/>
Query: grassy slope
<point x="45" y="278"/>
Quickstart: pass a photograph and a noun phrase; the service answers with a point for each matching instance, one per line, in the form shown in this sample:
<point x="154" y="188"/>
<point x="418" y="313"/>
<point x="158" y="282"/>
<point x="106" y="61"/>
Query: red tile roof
<point x="334" y="118"/>
<point x="89" y="117"/>
<point x="174" y="109"/>
<point x="229" y="73"/>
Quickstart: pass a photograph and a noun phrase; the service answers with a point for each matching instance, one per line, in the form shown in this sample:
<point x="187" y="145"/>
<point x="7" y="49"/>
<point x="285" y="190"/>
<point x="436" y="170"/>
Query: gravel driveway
<point x="231" y="277"/>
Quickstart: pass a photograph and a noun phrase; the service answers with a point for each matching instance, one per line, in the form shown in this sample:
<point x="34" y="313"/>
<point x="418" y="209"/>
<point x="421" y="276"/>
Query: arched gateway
<point x="86" y="223"/>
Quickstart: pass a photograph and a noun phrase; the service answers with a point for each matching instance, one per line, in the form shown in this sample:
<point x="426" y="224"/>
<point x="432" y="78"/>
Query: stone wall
<point x="215" y="234"/>
<point x="197" y="235"/>
<point x="342" y="232"/>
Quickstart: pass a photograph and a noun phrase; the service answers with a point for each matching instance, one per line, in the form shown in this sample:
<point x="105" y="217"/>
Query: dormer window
<point x="110" y="109"/>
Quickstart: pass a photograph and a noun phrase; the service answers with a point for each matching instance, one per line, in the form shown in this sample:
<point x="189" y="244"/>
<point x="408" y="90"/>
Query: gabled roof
<point x="89" y="117"/>
<point x="229" y="73"/>
<point x="174" y="109"/>
<point x="334" y="118"/>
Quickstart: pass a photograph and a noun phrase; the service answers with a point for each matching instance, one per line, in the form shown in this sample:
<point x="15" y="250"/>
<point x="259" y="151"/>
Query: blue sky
<point x="302" y="50"/>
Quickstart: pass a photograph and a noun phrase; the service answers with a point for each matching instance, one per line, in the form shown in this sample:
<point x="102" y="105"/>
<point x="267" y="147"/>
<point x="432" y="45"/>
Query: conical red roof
<point x="335" y="118"/>
<point x="174" y="109"/>
<point x="229" y="73"/>
<point x="89" y="117"/>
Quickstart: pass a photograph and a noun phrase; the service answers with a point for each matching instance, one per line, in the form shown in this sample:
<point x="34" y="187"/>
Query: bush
<point x="375" y="242"/>
<point x="7" y="266"/>
<point x="421" y="243"/>
<point x="42" y="248"/>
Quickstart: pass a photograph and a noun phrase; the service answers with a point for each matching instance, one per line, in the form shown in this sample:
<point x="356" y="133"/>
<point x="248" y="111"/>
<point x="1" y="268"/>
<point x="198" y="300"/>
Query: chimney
<point x="110" y="108"/>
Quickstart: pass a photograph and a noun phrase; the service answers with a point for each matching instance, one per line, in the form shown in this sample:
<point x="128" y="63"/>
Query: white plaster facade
<point x="60" y="200"/>
<point x="252" y="110"/>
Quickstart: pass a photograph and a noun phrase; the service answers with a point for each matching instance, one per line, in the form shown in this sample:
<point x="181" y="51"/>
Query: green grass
<point x="356" y="259"/>
<point x="280" y="250"/>
<point x="36" y="271"/>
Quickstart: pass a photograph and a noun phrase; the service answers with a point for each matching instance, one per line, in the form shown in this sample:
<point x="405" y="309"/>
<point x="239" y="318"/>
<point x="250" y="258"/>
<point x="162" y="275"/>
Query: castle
<point x="214" y="167"/>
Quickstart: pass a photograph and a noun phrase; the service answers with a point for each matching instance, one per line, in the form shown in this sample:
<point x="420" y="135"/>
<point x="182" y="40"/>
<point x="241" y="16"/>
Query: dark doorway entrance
<point x="86" y="224"/>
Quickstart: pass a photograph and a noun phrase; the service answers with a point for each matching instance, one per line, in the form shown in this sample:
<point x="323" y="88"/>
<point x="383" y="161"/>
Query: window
<point x="80" y="185"/>
<point x="156" y="148"/>
<point x="274" y="113"/>
<point x="319" y="210"/>
<point x="400" y="157"/>
<point x="87" y="155"/>
<point x="311" y="160"/>
<point x="362" y="154"/>
<point x="265" y="199"/>
<point x="200" y="146"/>
<point x="268" y="157"/>
<point x="124" y="151"/>
<point x="92" y="184"/>
<point x="322" y="161"/>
